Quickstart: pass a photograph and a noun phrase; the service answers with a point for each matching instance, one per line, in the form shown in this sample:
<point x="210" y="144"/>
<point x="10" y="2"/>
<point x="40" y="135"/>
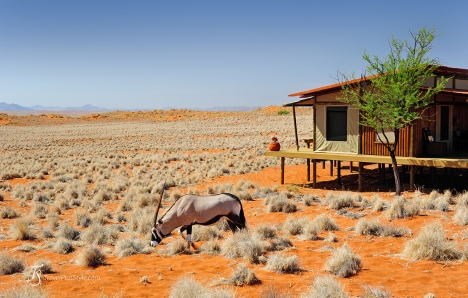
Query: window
<point x="337" y="123"/>
<point x="388" y="132"/>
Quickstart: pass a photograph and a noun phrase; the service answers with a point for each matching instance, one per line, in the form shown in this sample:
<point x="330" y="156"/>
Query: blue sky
<point x="201" y="54"/>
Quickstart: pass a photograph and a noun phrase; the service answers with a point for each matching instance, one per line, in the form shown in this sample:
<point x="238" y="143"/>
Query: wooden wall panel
<point x="369" y="145"/>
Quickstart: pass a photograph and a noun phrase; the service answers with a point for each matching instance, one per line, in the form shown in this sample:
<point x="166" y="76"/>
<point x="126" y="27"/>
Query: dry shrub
<point x="100" y="235"/>
<point x="310" y="231"/>
<point x="242" y="245"/>
<point x="344" y="262"/>
<point x="177" y="246"/>
<point x="374" y="227"/>
<point x="330" y="238"/>
<point x="10" y="265"/>
<point x="8" y="212"/>
<point x="205" y="233"/>
<point x="46" y="266"/>
<point x="401" y="208"/>
<point x="376" y="292"/>
<point x="283" y="264"/>
<point x="309" y="199"/>
<point x="187" y="287"/>
<point x="25" y="291"/>
<point x="91" y="256"/>
<point x="21" y="229"/>
<point x="461" y="215"/>
<point x="281" y="204"/>
<point x="63" y="246"/>
<point x="431" y="244"/>
<point x="377" y="204"/>
<point x="280" y="243"/>
<point x="26" y="247"/>
<point x="324" y="222"/>
<point x="243" y="276"/>
<point x="271" y="291"/>
<point x="68" y="232"/>
<point x="131" y="246"/>
<point x="295" y="226"/>
<point x="265" y="232"/>
<point x="340" y="201"/>
<point x="211" y="247"/>
<point x="47" y="233"/>
<point x="326" y="286"/>
<point x="39" y="211"/>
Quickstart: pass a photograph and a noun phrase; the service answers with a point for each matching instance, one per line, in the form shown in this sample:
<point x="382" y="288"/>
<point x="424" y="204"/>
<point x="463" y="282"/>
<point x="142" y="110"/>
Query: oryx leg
<point x="181" y="232"/>
<point x="189" y="236"/>
<point x="234" y="223"/>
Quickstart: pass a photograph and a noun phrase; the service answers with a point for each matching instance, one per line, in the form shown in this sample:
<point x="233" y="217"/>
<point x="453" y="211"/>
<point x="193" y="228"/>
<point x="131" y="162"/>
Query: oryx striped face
<point x="156" y="237"/>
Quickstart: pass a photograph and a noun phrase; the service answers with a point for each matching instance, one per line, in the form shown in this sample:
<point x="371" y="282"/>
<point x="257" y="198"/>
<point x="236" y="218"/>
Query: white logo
<point x="35" y="279"/>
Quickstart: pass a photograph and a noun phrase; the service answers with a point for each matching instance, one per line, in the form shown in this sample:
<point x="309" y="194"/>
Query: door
<point x="444" y="125"/>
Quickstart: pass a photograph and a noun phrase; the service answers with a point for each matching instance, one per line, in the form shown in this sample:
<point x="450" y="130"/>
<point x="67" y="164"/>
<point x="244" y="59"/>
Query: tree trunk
<point x="395" y="173"/>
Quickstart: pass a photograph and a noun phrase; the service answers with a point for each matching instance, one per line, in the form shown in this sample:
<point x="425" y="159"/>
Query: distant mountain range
<point x="14" y="107"/>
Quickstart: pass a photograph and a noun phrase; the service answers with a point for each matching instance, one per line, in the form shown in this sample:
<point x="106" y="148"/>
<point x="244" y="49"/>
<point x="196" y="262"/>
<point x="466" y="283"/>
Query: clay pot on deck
<point x="274" y="145"/>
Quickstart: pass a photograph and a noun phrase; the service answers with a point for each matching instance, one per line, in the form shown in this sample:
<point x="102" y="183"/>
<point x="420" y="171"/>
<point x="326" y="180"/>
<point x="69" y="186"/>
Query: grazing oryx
<point x="191" y="210"/>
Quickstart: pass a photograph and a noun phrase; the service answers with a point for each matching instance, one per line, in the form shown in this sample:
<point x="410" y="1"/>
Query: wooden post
<point x="314" y="168"/>
<point x="361" y="166"/>
<point x="295" y="126"/>
<point x="350" y="166"/>
<point x="282" y="170"/>
<point x="323" y="164"/>
<point x="411" y="177"/>
<point x="338" y="171"/>
<point x="308" y="169"/>
<point x="331" y="168"/>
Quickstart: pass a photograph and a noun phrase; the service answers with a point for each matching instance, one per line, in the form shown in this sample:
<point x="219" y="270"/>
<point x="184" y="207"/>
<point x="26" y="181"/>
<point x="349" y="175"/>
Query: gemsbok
<point x="192" y="209"/>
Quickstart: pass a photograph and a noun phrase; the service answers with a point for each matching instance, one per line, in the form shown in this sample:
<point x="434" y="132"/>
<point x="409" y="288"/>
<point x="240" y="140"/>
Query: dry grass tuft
<point x="401" y="208"/>
<point x="281" y="204"/>
<point x="68" y="232"/>
<point x="271" y="291"/>
<point x="10" y="265"/>
<point x="283" y="264"/>
<point x="326" y="286"/>
<point x="340" y="201"/>
<point x="63" y="246"/>
<point x="91" y="256"/>
<point x="211" y="247"/>
<point x="21" y="229"/>
<point x="432" y="244"/>
<point x="265" y="232"/>
<point x="344" y="262"/>
<point x="242" y="245"/>
<point x="295" y="226"/>
<point x="376" y="292"/>
<point x="131" y="246"/>
<point x="187" y="287"/>
<point x="46" y="266"/>
<point x="177" y="246"/>
<point x="243" y="276"/>
<point x="374" y="227"/>
<point x="25" y="291"/>
<point x="205" y="233"/>
<point x="8" y="212"/>
<point x="324" y="222"/>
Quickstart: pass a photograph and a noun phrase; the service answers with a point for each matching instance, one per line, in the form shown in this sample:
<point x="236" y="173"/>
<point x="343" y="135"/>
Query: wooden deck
<point x="454" y="160"/>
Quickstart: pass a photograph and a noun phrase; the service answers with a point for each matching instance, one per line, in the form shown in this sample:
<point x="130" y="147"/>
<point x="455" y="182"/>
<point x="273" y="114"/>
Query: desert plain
<point x="78" y="195"/>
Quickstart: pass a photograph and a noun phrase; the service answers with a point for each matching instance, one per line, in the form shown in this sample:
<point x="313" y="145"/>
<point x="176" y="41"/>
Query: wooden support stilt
<point x="282" y="170"/>
<point x="350" y="166"/>
<point x="314" y="176"/>
<point x="308" y="169"/>
<point x="361" y="166"/>
<point x="338" y="171"/>
<point x="323" y="164"/>
<point x="331" y="168"/>
<point x="411" y="177"/>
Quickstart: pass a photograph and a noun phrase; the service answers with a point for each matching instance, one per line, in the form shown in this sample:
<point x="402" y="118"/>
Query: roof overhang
<point x="306" y="102"/>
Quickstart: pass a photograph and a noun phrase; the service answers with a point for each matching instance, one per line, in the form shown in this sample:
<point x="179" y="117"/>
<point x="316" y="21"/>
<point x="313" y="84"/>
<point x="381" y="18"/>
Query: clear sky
<point x="201" y="54"/>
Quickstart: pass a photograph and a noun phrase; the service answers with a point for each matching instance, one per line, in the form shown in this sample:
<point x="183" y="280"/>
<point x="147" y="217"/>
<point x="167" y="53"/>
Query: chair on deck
<point x="431" y="147"/>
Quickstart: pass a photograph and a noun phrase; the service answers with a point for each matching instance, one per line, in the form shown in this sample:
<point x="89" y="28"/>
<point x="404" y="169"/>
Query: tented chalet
<point x="440" y="140"/>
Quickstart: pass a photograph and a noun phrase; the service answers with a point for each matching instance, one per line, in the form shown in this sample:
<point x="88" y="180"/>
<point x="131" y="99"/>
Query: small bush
<point x="340" y="201"/>
<point x="281" y="204"/>
<point x="68" y="232"/>
<point x="10" y="265"/>
<point x="46" y="266"/>
<point x="100" y="235"/>
<point x="344" y="262"/>
<point x="91" y="256"/>
<point x="187" y="287"/>
<point x="431" y="244"/>
<point x="376" y="292"/>
<point x="211" y="247"/>
<point x="309" y="199"/>
<point x="324" y="222"/>
<point x="242" y="245"/>
<point x="295" y="226"/>
<point x="243" y="276"/>
<point x="283" y="112"/>
<point x="25" y="291"/>
<point x="374" y="227"/>
<point x="461" y="216"/>
<point x="21" y="229"/>
<point x="326" y="287"/>
<point x="26" y="247"/>
<point x="283" y="264"/>
<point x="205" y="233"/>
<point x="177" y="246"/>
<point x="131" y="246"/>
<point x="272" y="291"/>
<point x="280" y="243"/>
<point x="265" y="232"/>
<point x="8" y="212"/>
<point x="63" y="246"/>
<point x="401" y="208"/>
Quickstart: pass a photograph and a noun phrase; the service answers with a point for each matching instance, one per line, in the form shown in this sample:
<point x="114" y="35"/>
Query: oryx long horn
<point x="159" y="204"/>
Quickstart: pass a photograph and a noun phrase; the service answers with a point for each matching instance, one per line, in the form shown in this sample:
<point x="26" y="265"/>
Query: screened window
<point x="337" y="123"/>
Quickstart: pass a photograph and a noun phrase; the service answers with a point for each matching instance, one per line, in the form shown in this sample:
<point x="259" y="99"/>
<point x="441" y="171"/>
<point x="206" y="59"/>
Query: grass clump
<point x="68" y="232"/>
<point x="21" y="229"/>
<point x="281" y="204"/>
<point x="211" y="247"/>
<point x="401" y="208"/>
<point x="376" y="292"/>
<point x="205" y="233"/>
<point x="25" y="291"/>
<point x="63" y="246"/>
<point x="374" y="227"/>
<point x="432" y="244"/>
<point x="243" y="276"/>
<point x="295" y="226"/>
<point x="271" y="291"/>
<point x="91" y="256"/>
<point x="7" y="212"/>
<point x="344" y="262"/>
<point x="339" y="201"/>
<point x="10" y="265"/>
<point x="283" y="264"/>
<point x="187" y="287"/>
<point x="324" y="222"/>
<point x="242" y="245"/>
<point x="131" y="246"/>
<point x="176" y="247"/>
<point x="265" y="232"/>
<point x="326" y="286"/>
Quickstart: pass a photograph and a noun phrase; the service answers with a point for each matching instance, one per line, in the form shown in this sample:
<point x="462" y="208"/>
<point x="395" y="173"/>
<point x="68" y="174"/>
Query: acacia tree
<point x="391" y="97"/>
